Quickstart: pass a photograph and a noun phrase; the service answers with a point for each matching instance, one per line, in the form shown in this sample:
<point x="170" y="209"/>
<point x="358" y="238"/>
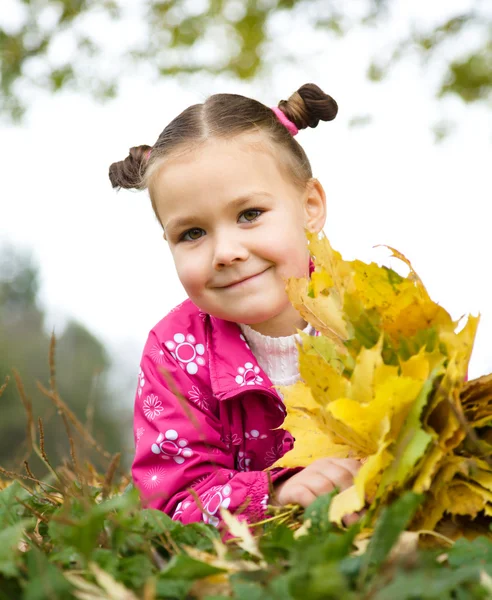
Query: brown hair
<point x="225" y="116"/>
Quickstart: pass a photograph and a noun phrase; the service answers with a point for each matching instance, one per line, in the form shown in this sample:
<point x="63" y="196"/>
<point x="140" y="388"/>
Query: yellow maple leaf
<point x="329" y="260"/>
<point x="324" y="380"/>
<point x="241" y="532"/>
<point x="320" y="282"/>
<point x="428" y="468"/>
<point x="306" y="422"/>
<point x="385" y="381"/>
<point x="324" y="313"/>
<point x="464" y="499"/>
<point x="364" y="373"/>
<point x="345" y="503"/>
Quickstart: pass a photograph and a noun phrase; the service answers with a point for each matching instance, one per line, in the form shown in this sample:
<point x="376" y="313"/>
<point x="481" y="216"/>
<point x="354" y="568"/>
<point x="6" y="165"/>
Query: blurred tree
<point x="70" y="44"/>
<point x="81" y="368"/>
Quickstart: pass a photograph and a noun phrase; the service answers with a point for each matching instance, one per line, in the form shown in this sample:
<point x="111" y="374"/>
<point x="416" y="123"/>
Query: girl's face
<point x="236" y="224"/>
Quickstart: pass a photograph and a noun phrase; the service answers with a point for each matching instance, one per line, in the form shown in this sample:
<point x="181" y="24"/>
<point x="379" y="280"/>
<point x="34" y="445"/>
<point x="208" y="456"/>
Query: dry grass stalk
<point x="79" y="427"/>
<point x="41" y="452"/>
<point x="108" y="479"/>
<point x="36" y="513"/>
<point x="4" y="386"/>
<point x="28" y="470"/>
<point x="27" y="404"/>
<point x="73" y="455"/>
<point x="41" y="440"/>
<point x="16" y="476"/>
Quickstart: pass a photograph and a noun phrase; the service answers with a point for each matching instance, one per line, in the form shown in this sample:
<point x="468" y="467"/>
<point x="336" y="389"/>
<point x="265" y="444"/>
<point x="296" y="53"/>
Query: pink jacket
<point x="206" y="421"/>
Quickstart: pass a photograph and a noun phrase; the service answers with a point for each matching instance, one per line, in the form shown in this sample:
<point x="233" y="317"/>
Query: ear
<point x="314" y="206"/>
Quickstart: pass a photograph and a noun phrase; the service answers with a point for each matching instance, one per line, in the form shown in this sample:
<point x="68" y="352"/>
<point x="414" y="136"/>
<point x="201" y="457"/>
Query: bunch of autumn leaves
<point x="385" y="383"/>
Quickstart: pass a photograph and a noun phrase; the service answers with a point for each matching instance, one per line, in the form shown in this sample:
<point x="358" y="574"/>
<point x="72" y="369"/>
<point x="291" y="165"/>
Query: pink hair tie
<point x="287" y="123"/>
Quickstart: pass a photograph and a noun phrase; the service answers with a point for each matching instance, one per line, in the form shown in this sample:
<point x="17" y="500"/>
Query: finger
<point x="349" y="520"/>
<point x="339" y="476"/>
<point x="322" y="464"/>
<point x="319" y="484"/>
<point x="349" y="463"/>
<point x="302" y="495"/>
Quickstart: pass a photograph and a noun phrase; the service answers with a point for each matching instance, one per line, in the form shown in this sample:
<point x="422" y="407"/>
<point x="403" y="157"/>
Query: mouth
<point x="242" y="281"/>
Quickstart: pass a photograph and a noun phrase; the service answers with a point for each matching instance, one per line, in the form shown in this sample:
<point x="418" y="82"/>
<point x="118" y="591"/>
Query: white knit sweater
<point x="277" y="356"/>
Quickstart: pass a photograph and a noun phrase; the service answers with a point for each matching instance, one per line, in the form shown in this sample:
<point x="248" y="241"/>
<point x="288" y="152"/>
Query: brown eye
<point x="192" y="235"/>
<point x="250" y="215"/>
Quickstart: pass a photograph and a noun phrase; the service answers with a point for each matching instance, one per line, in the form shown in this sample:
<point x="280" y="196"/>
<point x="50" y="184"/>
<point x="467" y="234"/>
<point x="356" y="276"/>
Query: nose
<point x="229" y="248"/>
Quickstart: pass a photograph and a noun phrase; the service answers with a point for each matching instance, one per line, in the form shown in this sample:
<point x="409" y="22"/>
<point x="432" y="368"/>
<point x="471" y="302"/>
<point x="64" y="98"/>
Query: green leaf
<point x="319" y="582"/>
<point x="412" y="441"/>
<point x="435" y="584"/>
<point x="44" y="579"/>
<point x="68" y="558"/>
<point x="475" y="552"/>
<point x="87" y="525"/>
<point x="10" y="556"/>
<point x="250" y="590"/>
<point x="317" y="547"/>
<point x="350" y="566"/>
<point x="199" y="535"/>
<point x="186" y="568"/>
<point x="10" y="510"/>
<point x="108" y="560"/>
<point x="158" y="522"/>
<point x="279" y="587"/>
<point x="82" y="535"/>
<point x="135" y="570"/>
<point x="391" y="523"/>
<point x="172" y="589"/>
<point x="277" y="543"/>
<point x="318" y="515"/>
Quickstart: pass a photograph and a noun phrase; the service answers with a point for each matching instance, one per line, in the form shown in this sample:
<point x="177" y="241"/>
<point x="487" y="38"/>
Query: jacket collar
<point x="234" y="369"/>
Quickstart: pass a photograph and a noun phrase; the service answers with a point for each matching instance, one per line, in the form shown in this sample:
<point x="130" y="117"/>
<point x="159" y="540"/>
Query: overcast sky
<point x="102" y="257"/>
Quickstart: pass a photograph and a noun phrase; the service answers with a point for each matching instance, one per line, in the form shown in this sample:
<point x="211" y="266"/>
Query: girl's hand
<point x="320" y="477"/>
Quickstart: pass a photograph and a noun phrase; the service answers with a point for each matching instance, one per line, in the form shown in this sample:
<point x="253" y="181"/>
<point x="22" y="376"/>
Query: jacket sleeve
<point x="182" y="466"/>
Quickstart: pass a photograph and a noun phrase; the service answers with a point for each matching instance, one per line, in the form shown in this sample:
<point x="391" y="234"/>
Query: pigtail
<point x="128" y="173"/>
<point x="308" y="106"/>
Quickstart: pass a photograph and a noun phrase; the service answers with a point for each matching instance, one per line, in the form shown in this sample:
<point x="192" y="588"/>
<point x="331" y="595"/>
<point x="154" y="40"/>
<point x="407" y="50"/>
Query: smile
<point x="241" y="282"/>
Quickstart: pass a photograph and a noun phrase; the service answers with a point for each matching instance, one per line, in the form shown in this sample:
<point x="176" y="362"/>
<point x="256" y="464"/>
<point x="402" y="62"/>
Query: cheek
<point x="190" y="270"/>
<point x="292" y="250"/>
<point x="297" y="263"/>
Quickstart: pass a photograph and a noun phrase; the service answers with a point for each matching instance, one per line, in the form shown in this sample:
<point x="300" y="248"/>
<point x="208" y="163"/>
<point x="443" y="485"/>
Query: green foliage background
<point x="177" y="37"/>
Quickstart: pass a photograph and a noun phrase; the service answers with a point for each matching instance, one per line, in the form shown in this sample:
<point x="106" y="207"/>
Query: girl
<point x="234" y="194"/>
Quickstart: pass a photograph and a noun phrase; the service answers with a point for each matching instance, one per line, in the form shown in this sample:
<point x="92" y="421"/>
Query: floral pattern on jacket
<point x="206" y="419"/>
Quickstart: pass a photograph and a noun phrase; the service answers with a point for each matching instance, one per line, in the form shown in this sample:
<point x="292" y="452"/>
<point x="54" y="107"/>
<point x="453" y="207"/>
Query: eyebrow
<point x="236" y="204"/>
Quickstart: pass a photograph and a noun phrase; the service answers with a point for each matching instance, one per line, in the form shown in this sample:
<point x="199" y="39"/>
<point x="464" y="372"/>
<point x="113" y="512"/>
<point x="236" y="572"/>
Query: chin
<point x="249" y="311"/>
<point x="252" y="318"/>
<point x="247" y="317"/>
